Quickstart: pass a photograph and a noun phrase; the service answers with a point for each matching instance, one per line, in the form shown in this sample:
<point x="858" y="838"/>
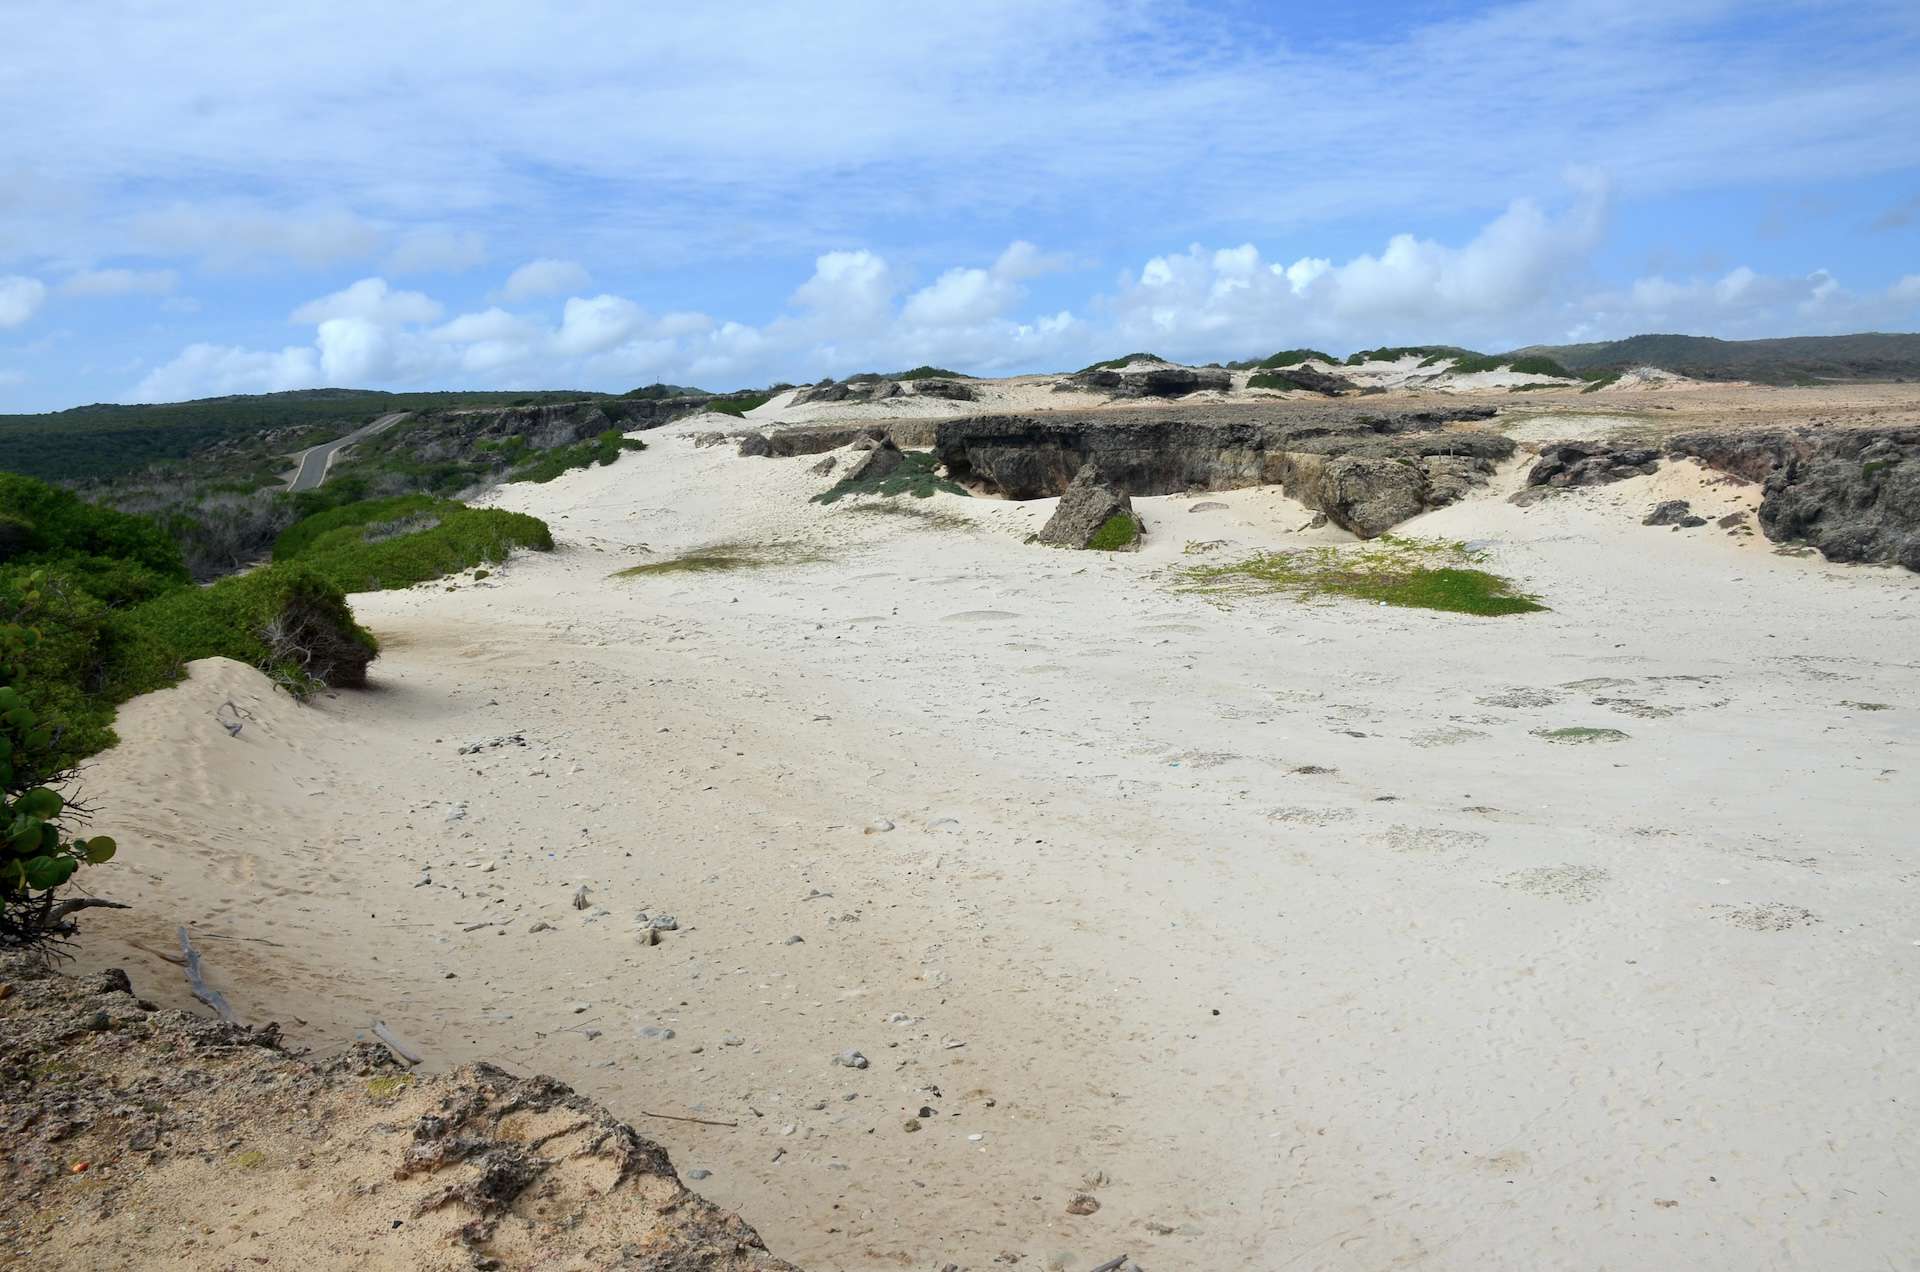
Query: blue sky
<point x="204" y="198"/>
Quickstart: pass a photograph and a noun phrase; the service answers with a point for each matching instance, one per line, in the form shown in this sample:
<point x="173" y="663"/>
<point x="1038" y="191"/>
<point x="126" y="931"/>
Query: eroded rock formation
<point x="1148" y="381"/>
<point x="1091" y="501"/>
<point x="1366" y="472"/>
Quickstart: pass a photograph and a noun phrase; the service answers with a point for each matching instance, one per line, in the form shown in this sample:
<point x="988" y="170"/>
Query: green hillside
<point x="1869" y="356"/>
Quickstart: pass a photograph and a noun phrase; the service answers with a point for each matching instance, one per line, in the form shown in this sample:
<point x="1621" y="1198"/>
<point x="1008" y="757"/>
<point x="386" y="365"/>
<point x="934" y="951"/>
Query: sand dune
<point x="1281" y="931"/>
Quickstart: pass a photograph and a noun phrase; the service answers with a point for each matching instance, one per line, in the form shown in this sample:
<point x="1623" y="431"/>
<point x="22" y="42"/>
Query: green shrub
<point x="602" y="449"/>
<point x="1535" y="365"/>
<point x="389" y="543"/>
<point x="1114" y="364"/>
<point x="739" y="404"/>
<point x="930" y="373"/>
<point x="1414" y="573"/>
<point x="1294" y="357"/>
<point x="1273" y="380"/>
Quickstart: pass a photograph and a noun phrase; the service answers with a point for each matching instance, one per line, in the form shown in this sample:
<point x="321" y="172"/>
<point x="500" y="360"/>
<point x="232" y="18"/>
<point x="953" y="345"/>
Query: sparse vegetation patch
<point x="725" y="557"/>
<point x="917" y="475"/>
<point x="1410" y="573"/>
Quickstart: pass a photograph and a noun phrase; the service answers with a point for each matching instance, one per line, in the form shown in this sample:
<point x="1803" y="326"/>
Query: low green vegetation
<point x="740" y="403"/>
<point x="1118" y="532"/>
<point x="1595" y="383"/>
<point x="1580" y="736"/>
<point x="1114" y="364"/>
<point x="380" y="544"/>
<point x="917" y="475"/>
<point x="722" y="558"/>
<point x="602" y="449"/>
<point x="1294" y="357"/>
<point x="1412" y="573"/>
<point x="930" y="373"/>
<point x="103" y="440"/>
<point x="1430" y="355"/>
<point x="1279" y="380"/>
<point x="1529" y="365"/>
<point x="894" y="509"/>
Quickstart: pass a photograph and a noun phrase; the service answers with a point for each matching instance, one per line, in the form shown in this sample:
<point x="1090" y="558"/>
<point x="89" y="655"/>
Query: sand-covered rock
<point x="1089" y="506"/>
<point x="144" y="1138"/>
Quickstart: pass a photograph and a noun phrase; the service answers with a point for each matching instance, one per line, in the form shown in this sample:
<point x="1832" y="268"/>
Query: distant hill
<point x="104" y="439"/>
<point x="1871" y="356"/>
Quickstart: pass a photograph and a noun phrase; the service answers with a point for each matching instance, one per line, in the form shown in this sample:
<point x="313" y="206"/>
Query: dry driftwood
<point x="198" y="982"/>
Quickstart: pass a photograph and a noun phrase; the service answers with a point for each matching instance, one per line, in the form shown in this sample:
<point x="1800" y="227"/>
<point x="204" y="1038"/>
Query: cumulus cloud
<point x="119" y="282"/>
<point x="371" y="300"/>
<point x="851" y="287"/>
<point x="545" y="277"/>
<point x="20" y="299"/>
<point x="208" y="370"/>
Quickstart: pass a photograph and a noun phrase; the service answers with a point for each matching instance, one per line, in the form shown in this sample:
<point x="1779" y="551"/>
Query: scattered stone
<point x="796" y="940"/>
<point x="851" y="1060"/>
<point x="1083" y="1204"/>
<point x="580" y="897"/>
<point x="664" y="923"/>
<point x="488" y="744"/>
<point x="697" y="1174"/>
<point x="911" y="1125"/>
<point x="581" y="1008"/>
<point x="647" y="936"/>
<point x="732" y="1040"/>
<point x="659" y="1033"/>
<point x="540" y="925"/>
<point x="825" y="466"/>
<point x="878" y="826"/>
<point x="1738" y="517"/>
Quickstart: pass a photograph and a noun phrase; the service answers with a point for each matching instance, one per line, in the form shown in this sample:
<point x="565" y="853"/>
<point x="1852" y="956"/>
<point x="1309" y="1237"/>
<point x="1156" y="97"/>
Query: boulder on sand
<point x="1672" y="512"/>
<point x="1591" y="464"/>
<point x="1091" y="502"/>
<point x="874" y="458"/>
<point x="1371" y="496"/>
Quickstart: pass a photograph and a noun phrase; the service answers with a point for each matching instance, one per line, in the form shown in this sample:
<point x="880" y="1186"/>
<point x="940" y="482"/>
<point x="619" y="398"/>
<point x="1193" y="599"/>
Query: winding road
<point x="316" y="460"/>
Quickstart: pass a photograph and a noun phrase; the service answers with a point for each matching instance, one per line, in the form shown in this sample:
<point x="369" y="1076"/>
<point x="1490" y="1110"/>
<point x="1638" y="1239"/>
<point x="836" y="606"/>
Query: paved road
<point x="316" y="460"/>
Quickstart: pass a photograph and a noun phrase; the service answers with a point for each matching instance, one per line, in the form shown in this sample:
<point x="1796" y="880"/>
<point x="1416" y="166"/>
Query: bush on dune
<point x="389" y="543"/>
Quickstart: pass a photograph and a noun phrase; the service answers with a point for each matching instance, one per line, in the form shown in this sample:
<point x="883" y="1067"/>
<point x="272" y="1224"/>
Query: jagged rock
<point x="1158" y="382"/>
<point x="1853" y="493"/>
<point x="708" y="439"/>
<point x="825" y="466"/>
<point x="849" y="391"/>
<point x="952" y="390"/>
<point x="1673" y="512"/>
<point x="1369" y="496"/>
<point x="874" y="458"/>
<point x="1089" y="503"/>
<point x="1312" y="381"/>
<point x="755" y="446"/>
<point x="1591" y="464"/>
<point x="1224" y="447"/>
<point x="1737" y="517"/>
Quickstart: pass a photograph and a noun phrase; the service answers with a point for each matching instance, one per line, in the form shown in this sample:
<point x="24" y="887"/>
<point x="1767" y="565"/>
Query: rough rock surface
<point x="1090" y="501"/>
<point x="755" y="446"/>
<point x="875" y="390"/>
<point x="1148" y="382"/>
<point x="1853" y="493"/>
<point x="952" y="390"/>
<point x="137" y="1138"/>
<point x="1672" y="512"/>
<point x="815" y="439"/>
<point x="873" y="458"/>
<point x="1591" y="464"/>
<point x="1168" y="450"/>
<point x="1315" y="381"/>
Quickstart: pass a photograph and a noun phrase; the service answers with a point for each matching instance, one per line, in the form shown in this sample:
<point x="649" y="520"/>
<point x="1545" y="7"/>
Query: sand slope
<point x="1275" y="929"/>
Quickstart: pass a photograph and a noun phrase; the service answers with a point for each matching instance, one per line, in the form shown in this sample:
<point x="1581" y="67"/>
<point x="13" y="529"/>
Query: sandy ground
<point x="1277" y="929"/>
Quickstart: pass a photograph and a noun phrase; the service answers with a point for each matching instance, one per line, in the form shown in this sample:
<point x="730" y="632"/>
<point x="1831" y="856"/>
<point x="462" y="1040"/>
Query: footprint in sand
<point x="1517" y="699"/>
<point x="1431" y="839"/>
<point x="1568" y="883"/>
<point x="1446" y="737"/>
<point x="1770" y="916"/>
<point x="980" y="616"/>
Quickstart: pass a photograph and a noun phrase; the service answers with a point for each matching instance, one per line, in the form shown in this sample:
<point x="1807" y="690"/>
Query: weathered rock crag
<point x="1089" y="503"/>
<point x="1366" y="472"/>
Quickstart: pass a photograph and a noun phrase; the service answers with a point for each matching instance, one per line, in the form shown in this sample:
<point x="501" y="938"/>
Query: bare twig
<point x="669" y="1117"/>
<point x="65" y="908"/>
<point x="1111" y="1265"/>
<point x="197" y="982"/>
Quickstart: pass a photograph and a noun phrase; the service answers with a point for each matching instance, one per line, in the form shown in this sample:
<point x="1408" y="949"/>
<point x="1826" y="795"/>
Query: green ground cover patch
<point x="378" y="544"/>
<point x="1410" y="573"/>
<point x="603" y="449"/>
<point x="916" y="476"/>
<point x="1115" y="533"/>
<point x="721" y="558"/>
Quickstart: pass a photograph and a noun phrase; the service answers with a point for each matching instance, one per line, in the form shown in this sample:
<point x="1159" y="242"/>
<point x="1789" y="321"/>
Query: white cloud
<point x="207" y="370"/>
<point x="1907" y="289"/>
<point x="852" y="287"/>
<point x="20" y="299"/>
<point x="119" y="282"/>
<point x="596" y="324"/>
<point x="545" y="277"/>
<point x="371" y="299"/>
<point x="229" y="235"/>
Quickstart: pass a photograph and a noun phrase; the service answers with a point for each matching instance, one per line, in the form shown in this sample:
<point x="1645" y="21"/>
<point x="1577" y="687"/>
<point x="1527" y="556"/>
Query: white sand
<point x="1279" y="916"/>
